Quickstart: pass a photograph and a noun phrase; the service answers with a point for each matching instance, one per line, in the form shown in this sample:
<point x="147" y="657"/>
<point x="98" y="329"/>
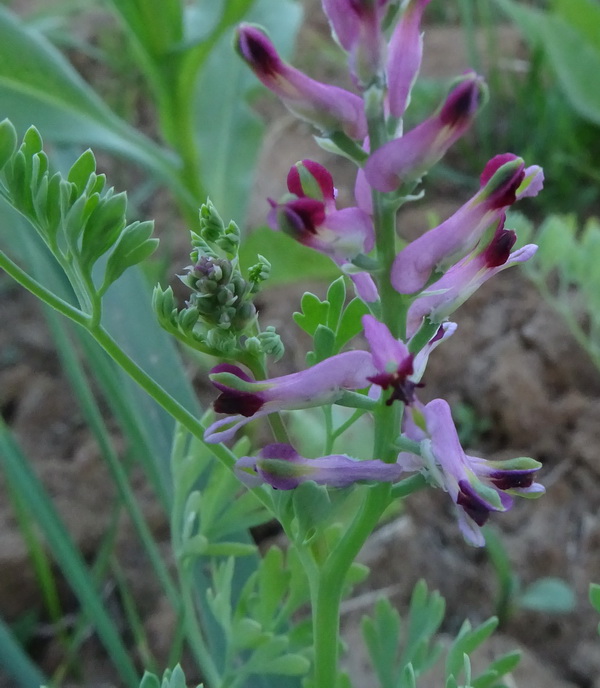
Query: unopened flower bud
<point x="229" y="241"/>
<point x="211" y="224"/>
<point x="271" y="343"/>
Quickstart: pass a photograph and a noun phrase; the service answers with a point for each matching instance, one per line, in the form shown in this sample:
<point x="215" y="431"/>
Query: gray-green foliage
<point x="85" y="230"/>
<point x="566" y="273"/>
<point x="172" y="678"/>
<point x="403" y="651"/>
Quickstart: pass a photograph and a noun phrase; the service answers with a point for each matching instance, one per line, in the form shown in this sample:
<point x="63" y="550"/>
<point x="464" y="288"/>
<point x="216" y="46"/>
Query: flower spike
<point x="280" y="466"/>
<point x="329" y="108"/>
<point x="244" y="399"/>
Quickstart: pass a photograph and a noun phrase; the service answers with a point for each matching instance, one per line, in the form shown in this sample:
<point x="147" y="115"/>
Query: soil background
<point x="532" y="390"/>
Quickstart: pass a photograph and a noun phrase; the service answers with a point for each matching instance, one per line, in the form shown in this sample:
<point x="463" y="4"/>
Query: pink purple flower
<point x="407" y="158"/>
<point x="477" y="486"/>
<point x="280" y="466"/>
<point x="357" y="26"/>
<point x="329" y="108"/>
<point x="244" y="399"/>
<point x="309" y="215"/>
<point x="398" y="369"/>
<point x="404" y="57"/>
<point x="443" y="297"/>
<point x="504" y="180"/>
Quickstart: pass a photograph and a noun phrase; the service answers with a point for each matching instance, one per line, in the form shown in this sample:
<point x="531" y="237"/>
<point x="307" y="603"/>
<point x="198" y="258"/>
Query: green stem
<point x="194" y="634"/>
<point x="340" y="430"/>
<point x="42" y="293"/>
<point x="329" y="438"/>
<point x="259" y="370"/>
<point x="326" y="591"/>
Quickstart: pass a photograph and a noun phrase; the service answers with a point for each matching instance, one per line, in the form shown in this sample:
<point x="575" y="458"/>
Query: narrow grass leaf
<point x="18" y="472"/>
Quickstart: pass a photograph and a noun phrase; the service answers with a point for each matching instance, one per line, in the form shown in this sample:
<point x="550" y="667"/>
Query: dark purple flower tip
<point x="298" y="186"/>
<point x="279" y="450"/>
<point x="258" y="51"/>
<point x="300" y="216"/>
<point x="493" y="165"/>
<point x="502" y="177"/>
<point x="474" y="506"/>
<point x="498" y="250"/>
<point x="463" y="102"/>
<point x="510" y="480"/>
<point x="234" y="402"/>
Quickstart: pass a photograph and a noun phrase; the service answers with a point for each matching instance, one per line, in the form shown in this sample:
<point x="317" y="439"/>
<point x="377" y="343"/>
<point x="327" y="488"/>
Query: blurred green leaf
<point x="595" y="596"/>
<point x="336" y="295"/>
<point x="290" y="261"/>
<point x="15" y="662"/>
<point x="314" y="313"/>
<point x="551" y="595"/>
<point x="381" y="634"/>
<point x="583" y="15"/>
<point x="466" y="642"/>
<point x="229" y="133"/>
<point x="576" y="63"/>
<point x="324" y="341"/>
<point x="350" y="323"/>
<point x="18" y="473"/>
<point x="527" y="18"/>
<point x="38" y="85"/>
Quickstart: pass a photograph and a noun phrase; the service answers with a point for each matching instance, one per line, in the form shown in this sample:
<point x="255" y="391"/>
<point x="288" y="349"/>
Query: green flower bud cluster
<point x="219" y="317"/>
<point x="220" y="294"/>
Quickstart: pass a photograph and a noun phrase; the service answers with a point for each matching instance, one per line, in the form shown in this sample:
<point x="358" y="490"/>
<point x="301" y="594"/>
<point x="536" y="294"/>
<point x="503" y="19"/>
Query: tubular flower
<point x="405" y="54"/>
<point x="462" y="280"/>
<point x="476" y="485"/>
<point x="244" y="399"/>
<point x="396" y="366"/>
<point x="357" y="27"/>
<point x="280" y="466"/>
<point x="328" y="107"/>
<point x="308" y="214"/>
<point x="407" y="158"/>
<point x="504" y="181"/>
